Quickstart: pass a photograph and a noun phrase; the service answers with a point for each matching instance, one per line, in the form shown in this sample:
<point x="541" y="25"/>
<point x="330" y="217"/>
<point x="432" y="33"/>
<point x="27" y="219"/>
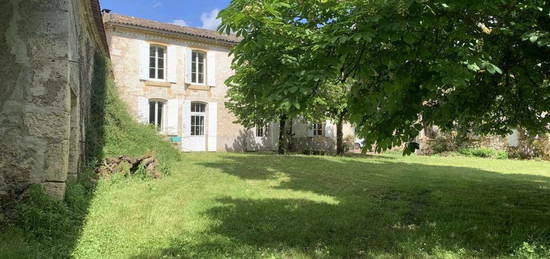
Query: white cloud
<point x="157" y="4"/>
<point x="180" y="22"/>
<point x="210" y="20"/>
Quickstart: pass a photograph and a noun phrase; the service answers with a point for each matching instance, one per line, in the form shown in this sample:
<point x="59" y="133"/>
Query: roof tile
<point x="167" y="27"/>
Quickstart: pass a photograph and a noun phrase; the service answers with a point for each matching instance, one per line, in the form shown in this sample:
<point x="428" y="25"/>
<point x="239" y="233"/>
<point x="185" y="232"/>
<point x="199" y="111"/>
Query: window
<point x="318" y="129"/>
<point x="198" y="107"/>
<point x="197" y="67"/>
<point x="155" y="113"/>
<point x="157" y="62"/>
<point x="197" y="125"/>
<point x="197" y="119"/>
<point x="261" y="131"/>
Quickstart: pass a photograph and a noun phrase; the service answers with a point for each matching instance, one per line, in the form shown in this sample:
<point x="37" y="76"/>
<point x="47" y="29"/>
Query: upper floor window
<point x="198" y="62"/>
<point x="156" y="109"/>
<point x="157" y="62"/>
<point x="318" y="129"/>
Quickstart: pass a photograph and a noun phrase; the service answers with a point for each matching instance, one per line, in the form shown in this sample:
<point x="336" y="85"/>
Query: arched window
<point x="198" y="62"/>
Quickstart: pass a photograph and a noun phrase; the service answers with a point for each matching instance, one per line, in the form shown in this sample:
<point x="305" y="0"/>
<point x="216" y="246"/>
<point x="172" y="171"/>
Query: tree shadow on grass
<point x="382" y="207"/>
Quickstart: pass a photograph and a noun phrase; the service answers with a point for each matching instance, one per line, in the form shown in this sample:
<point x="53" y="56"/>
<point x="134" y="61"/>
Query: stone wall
<point x="47" y="50"/>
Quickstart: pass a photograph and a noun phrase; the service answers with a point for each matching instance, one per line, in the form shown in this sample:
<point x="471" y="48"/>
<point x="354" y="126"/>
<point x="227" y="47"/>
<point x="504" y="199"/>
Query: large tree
<point x="483" y="65"/>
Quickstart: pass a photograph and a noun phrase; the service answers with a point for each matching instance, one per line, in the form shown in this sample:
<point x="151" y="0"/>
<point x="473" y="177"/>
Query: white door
<point x="195" y="120"/>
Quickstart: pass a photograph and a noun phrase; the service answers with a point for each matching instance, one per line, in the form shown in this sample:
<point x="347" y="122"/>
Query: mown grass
<point x="254" y="205"/>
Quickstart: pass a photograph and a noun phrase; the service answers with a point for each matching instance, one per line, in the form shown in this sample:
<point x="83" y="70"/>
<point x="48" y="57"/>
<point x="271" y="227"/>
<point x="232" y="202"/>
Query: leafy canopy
<point x="483" y="65"/>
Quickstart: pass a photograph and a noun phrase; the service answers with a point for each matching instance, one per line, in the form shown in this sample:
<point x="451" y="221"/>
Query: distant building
<point x="173" y="77"/>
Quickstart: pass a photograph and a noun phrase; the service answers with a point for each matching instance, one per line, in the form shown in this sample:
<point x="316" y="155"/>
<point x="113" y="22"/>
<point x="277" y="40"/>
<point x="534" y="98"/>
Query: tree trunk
<point x="282" y="135"/>
<point x="340" y="137"/>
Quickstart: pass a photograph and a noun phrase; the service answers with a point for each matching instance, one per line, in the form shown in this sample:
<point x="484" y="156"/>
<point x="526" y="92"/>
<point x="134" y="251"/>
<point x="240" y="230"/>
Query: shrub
<point x="531" y="146"/>
<point x="440" y="144"/>
<point x="484" y="152"/>
<point x="349" y="143"/>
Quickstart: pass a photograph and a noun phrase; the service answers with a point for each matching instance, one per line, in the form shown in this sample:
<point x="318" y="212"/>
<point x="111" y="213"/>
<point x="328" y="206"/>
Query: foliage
<point x="531" y="146"/>
<point x="479" y="64"/>
<point x="484" y="152"/>
<point x="349" y="143"/>
<point x="532" y="251"/>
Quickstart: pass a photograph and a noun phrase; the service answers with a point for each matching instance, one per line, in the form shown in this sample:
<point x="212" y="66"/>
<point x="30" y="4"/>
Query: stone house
<point x="47" y="50"/>
<point x="173" y="77"/>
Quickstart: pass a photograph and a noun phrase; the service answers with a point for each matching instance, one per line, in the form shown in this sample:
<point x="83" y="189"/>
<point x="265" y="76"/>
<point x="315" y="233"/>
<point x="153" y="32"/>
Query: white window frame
<point x="156" y="65"/>
<point x="156" y="123"/>
<point x="316" y="128"/>
<point x="199" y="113"/>
<point x="195" y="63"/>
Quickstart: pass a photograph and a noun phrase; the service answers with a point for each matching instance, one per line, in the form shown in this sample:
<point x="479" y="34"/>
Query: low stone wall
<point x="47" y="50"/>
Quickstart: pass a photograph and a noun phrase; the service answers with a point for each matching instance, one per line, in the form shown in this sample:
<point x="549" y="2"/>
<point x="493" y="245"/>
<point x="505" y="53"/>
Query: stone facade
<point x="131" y="38"/>
<point x="47" y="50"/>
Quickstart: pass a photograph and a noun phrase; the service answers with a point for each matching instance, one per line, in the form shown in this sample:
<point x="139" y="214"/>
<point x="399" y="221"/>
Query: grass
<point x="261" y="205"/>
<point x="255" y="205"/>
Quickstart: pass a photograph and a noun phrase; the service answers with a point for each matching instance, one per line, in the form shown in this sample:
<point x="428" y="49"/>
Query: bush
<point x="440" y="144"/>
<point x="484" y="152"/>
<point x="531" y="146"/>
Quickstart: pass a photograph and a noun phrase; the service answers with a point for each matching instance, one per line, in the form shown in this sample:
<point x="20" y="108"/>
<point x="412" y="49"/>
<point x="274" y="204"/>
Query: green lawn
<point x="256" y="205"/>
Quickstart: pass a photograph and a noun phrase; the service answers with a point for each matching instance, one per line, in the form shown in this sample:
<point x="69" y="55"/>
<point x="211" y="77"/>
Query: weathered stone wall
<point x="47" y="50"/>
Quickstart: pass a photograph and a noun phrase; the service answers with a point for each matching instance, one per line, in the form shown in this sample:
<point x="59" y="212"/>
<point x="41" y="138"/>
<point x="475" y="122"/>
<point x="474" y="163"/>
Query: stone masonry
<point x="47" y="51"/>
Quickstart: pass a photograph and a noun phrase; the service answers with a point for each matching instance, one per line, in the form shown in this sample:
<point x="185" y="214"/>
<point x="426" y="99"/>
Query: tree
<point x="483" y="65"/>
<point x="331" y="102"/>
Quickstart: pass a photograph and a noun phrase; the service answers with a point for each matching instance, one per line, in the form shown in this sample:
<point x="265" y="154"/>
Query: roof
<point x="117" y="19"/>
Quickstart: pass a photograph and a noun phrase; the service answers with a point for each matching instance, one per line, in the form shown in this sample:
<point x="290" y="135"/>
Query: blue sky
<point x="195" y="13"/>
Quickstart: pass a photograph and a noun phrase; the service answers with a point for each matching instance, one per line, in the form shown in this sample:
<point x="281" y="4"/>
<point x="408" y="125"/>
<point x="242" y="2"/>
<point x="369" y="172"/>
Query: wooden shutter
<point x="329" y="129"/>
<point x="172" y="113"/>
<point x="309" y="129"/>
<point x="144" y="49"/>
<point x="188" y="64"/>
<point x="172" y="60"/>
<point x="212" y="126"/>
<point x="186" y="143"/>
<point x="143" y="110"/>
<point x="211" y="68"/>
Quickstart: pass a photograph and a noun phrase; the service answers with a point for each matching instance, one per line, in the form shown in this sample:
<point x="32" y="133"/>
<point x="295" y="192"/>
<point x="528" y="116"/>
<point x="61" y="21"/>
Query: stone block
<point x="57" y="159"/>
<point x="48" y="124"/>
<point x="55" y="190"/>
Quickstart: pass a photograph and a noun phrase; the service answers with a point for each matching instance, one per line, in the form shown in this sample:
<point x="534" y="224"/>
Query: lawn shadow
<point x="383" y="207"/>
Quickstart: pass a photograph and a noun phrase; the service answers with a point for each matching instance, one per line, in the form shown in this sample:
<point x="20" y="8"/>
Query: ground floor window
<point x="198" y="114"/>
<point x="261" y="131"/>
<point x="155" y="113"/>
<point x="318" y="129"/>
<point x="197" y="125"/>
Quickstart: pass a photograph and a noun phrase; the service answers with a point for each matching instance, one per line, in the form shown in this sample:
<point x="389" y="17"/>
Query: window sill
<point x="158" y="83"/>
<point x="198" y="87"/>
